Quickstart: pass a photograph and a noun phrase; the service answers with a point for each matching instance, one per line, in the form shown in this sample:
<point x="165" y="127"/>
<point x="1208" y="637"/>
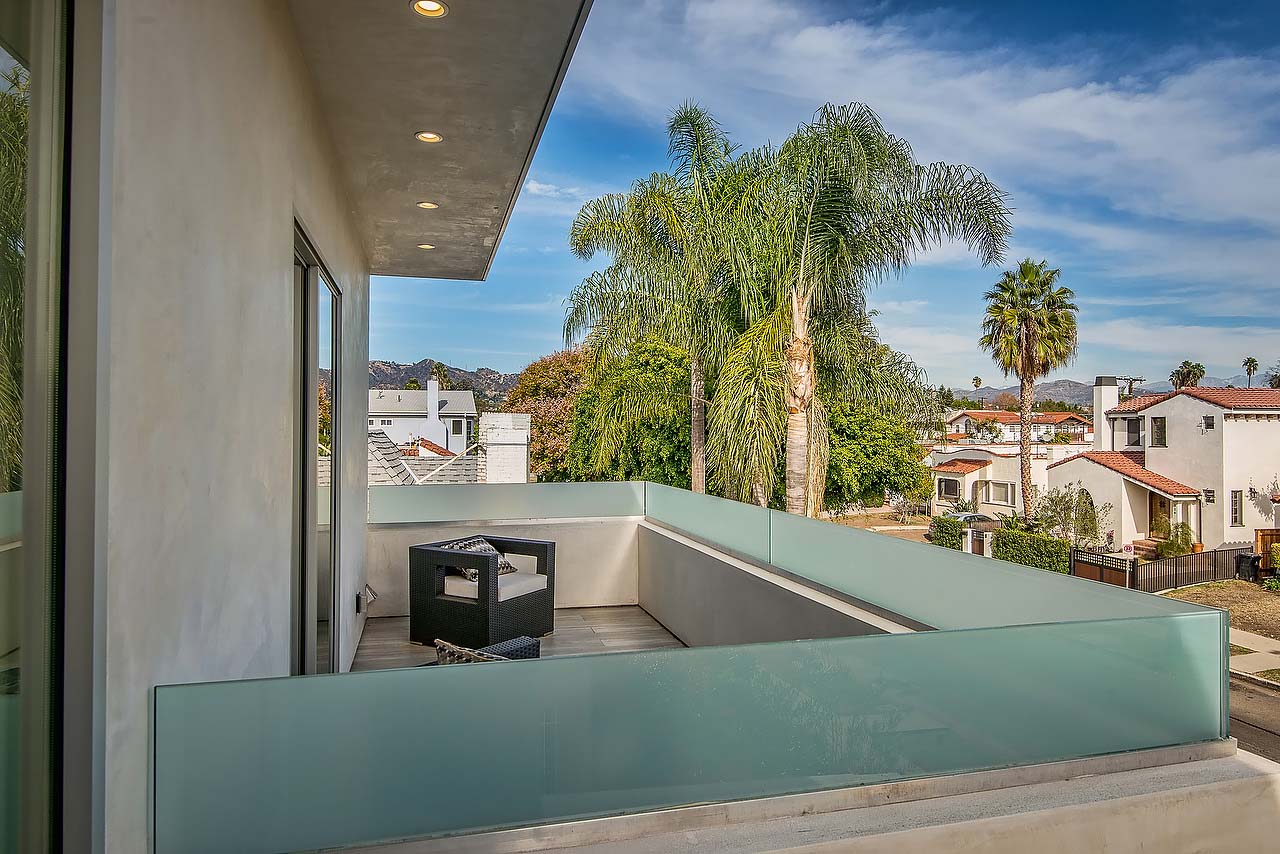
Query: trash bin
<point x="1247" y="566"/>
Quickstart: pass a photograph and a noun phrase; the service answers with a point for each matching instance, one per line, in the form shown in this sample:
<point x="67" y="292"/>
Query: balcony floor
<point x="385" y="642"/>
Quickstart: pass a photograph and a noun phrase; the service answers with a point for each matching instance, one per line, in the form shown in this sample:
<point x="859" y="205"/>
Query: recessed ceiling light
<point x="428" y="136"/>
<point x="426" y="246"/>
<point x="430" y="8"/>
<point x="428" y="206"/>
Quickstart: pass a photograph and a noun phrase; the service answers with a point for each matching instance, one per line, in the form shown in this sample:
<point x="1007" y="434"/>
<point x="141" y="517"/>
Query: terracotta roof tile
<point x="1132" y="464"/>
<point x="1227" y="398"/>
<point x="961" y="466"/>
<point x="1005" y="417"/>
<point x="434" y="448"/>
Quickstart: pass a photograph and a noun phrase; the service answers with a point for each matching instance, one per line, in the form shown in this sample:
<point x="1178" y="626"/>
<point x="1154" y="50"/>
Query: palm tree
<point x="14" y="101"/>
<point x="1273" y="376"/>
<point x="1188" y="374"/>
<point x="1029" y="329"/>
<point x="837" y="207"/>
<point x="668" y="279"/>
<point x="977" y="383"/>
<point x="1250" y="366"/>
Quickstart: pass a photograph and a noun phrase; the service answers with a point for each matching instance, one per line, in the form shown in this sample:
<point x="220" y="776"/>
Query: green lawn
<point x="1239" y="650"/>
<point x="1273" y="675"/>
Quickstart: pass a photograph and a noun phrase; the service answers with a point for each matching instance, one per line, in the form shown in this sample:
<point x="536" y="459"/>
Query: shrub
<point x="964" y="505"/>
<point x="1031" y="549"/>
<point x="946" y="532"/>
<point x="1179" y="542"/>
<point x="1275" y="558"/>
<point x="1160" y="526"/>
<point x="1272" y="584"/>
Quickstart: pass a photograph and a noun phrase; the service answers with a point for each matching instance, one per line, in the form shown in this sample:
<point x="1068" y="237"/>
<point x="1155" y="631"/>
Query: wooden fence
<point x="1157" y="575"/>
<point x="1263" y="538"/>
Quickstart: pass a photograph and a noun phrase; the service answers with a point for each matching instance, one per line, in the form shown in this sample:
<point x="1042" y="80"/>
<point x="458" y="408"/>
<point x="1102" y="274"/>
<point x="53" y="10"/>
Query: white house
<point x="1209" y="457"/>
<point x="446" y="418"/>
<point x="1044" y="425"/>
<point x="988" y="476"/>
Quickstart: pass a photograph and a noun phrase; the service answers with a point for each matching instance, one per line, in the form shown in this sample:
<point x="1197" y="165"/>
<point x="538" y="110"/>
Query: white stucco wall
<point x="215" y="146"/>
<point x="1193" y="456"/>
<point x="1128" y="516"/>
<point x="1251" y="459"/>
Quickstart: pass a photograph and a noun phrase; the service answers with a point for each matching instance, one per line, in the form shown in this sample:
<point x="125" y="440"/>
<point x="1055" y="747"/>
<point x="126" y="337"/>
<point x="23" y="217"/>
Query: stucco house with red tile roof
<point x="1044" y="425"/>
<point x="1209" y="457"/>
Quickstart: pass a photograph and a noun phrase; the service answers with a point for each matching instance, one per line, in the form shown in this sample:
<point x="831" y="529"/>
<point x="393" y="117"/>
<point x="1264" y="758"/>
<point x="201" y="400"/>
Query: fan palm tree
<point x="668" y="278"/>
<point x="1029" y="329"/>
<point x="1188" y="374"/>
<point x="815" y="222"/>
<point x="14" y="101"/>
<point x="977" y="383"/>
<point x="1250" y="366"/>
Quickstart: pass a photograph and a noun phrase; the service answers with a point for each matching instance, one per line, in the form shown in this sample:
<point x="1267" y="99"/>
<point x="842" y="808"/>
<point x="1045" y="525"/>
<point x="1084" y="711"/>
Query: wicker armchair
<point x="491" y="610"/>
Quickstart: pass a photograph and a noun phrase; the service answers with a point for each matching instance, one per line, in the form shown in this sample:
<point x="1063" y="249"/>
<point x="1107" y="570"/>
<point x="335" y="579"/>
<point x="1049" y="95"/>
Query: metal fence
<point x="1157" y="575"/>
<point x="1170" y="572"/>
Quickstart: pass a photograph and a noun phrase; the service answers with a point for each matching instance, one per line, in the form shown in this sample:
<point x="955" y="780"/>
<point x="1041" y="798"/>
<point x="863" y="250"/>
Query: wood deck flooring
<point x="385" y="642"/>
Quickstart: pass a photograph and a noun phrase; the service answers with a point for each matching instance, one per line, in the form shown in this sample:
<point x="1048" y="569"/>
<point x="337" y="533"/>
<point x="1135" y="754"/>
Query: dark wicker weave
<point x="484" y="620"/>
<point x="515" y="649"/>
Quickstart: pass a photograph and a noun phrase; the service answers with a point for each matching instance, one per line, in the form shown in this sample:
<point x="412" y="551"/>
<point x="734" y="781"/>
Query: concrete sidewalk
<point x="1265" y="655"/>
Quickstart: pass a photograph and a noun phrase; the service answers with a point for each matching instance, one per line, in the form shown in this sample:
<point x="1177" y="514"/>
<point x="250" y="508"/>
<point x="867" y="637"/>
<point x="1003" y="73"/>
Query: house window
<point x="370" y="422"/>
<point x="1209" y="496"/>
<point x="386" y="422"/>
<point x="1208" y="422"/>
<point x="1133" y="432"/>
<point x="1158" y="428"/>
<point x="1237" y="508"/>
<point x="457" y="427"/>
<point x="948" y="488"/>
<point x="1000" y="493"/>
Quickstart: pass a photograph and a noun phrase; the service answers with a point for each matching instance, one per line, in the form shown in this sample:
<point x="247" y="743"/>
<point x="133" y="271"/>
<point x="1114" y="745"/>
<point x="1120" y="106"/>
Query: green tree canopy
<point x="654" y="446"/>
<point x="872" y="453"/>
<point x="412" y="384"/>
<point x="547" y="391"/>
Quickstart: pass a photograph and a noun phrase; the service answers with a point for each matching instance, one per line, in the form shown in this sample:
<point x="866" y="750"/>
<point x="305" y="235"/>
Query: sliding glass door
<point x="318" y="577"/>
<point x="31" y="207"/>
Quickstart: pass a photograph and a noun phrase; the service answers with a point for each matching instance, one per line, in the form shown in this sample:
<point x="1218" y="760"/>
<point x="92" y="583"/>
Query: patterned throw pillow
<point x="448" y="653"/>
<point x="479" y="545"/>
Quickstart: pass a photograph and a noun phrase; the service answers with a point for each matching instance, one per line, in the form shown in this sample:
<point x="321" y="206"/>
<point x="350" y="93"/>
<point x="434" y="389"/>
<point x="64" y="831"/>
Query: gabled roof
<point x="1132" y="465"/>
<point x="1005" y="417"/>
<point x="1227" y="398"/>
<point x="965" y="465"/>
<point x="401" y="401"/>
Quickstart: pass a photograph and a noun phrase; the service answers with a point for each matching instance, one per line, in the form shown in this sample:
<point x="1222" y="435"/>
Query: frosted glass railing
<point x="944" y="588"/>
<point x="316" y="762"/>
<point x="739" y="527"/>
<point x="458" y="503"/>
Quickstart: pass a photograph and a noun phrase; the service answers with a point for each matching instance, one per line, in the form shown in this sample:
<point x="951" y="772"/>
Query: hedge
<point x="1036" y="550"/>
<point x="946" y="532"/>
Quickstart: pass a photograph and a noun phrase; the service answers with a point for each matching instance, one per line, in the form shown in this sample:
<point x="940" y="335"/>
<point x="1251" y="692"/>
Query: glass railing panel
<point x="733" y="525"/>
<point x="314" y="762"/>
<point x="494" y="501"/>
<point x="943" y="588"/>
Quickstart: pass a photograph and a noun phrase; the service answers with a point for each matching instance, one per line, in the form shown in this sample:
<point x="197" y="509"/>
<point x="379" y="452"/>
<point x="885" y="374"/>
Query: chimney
<point x="433" y="399"/>
<point x="1106" y="395"/>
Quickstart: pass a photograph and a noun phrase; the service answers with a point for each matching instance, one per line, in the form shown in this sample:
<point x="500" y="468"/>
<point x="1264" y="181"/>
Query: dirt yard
<point x="877" y="519"/>
<point x="1252" y="608"/>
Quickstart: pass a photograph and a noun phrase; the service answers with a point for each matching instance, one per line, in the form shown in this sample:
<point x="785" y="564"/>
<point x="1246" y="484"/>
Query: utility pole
<point x="1132" y="381"/>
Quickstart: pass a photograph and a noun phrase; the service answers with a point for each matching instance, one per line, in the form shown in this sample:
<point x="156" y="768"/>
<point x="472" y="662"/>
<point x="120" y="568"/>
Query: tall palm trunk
<point x="697" y="426"/>
<point x="799" y="394"/>
<point x="1024" y="440"/>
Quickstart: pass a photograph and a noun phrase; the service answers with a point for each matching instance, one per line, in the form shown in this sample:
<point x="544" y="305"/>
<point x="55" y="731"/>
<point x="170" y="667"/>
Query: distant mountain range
<point x="491" y="387"/>
<point x="1072" y="391"/>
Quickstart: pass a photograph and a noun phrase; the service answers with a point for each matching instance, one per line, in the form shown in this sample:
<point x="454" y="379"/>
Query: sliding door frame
<point x="310" y="276"/>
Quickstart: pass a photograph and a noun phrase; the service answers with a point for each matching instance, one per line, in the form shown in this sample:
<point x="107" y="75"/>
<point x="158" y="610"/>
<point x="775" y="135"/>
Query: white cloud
<point x="553" y="191"/>
<point x="1220" y="348"/>
<point x="1180" y="170"/>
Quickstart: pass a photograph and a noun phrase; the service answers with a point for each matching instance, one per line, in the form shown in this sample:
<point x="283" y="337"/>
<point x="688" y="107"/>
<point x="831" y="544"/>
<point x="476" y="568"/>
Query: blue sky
<point x="1140" y="143"/>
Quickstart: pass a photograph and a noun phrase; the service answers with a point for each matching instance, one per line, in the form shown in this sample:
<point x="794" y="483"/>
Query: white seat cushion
<point x="510" y="586"/>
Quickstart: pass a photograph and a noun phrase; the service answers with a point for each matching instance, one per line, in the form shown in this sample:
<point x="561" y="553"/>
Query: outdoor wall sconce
<point x="365" y="598"/>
